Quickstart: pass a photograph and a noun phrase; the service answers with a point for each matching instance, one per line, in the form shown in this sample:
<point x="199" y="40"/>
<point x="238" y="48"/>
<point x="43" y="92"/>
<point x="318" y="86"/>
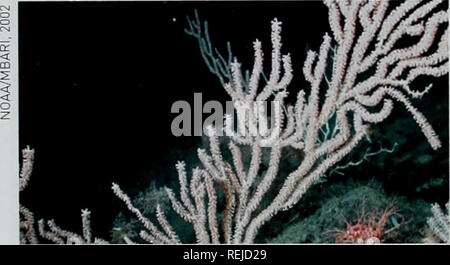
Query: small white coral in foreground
<point x="60" y="236"/>
<point x="440" y="222"/>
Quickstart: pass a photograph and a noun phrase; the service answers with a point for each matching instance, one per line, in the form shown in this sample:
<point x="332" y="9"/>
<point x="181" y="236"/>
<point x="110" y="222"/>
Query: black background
<point x="276" y="254"/>
<point x="97" y="81"/>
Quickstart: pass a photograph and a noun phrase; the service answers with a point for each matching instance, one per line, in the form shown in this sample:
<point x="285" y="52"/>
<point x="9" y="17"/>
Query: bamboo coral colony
<point x="342" y="96"/>
<point x="346" y="98"/>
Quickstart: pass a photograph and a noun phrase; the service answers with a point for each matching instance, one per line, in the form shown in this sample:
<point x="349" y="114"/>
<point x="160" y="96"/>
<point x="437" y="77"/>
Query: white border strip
<point x="9" y="123"/>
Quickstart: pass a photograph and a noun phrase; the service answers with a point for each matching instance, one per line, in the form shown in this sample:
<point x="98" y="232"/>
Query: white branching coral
<point x="60" y="236"/>
<point x="27" y="221"/>
<point x="27" y="167"/>
<point x="440" y="222"/>
<point x="27" y="230"/>
<point x="370" y="71"/>
<point x="155" y="236"/>
<point x="28" y="233"/>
